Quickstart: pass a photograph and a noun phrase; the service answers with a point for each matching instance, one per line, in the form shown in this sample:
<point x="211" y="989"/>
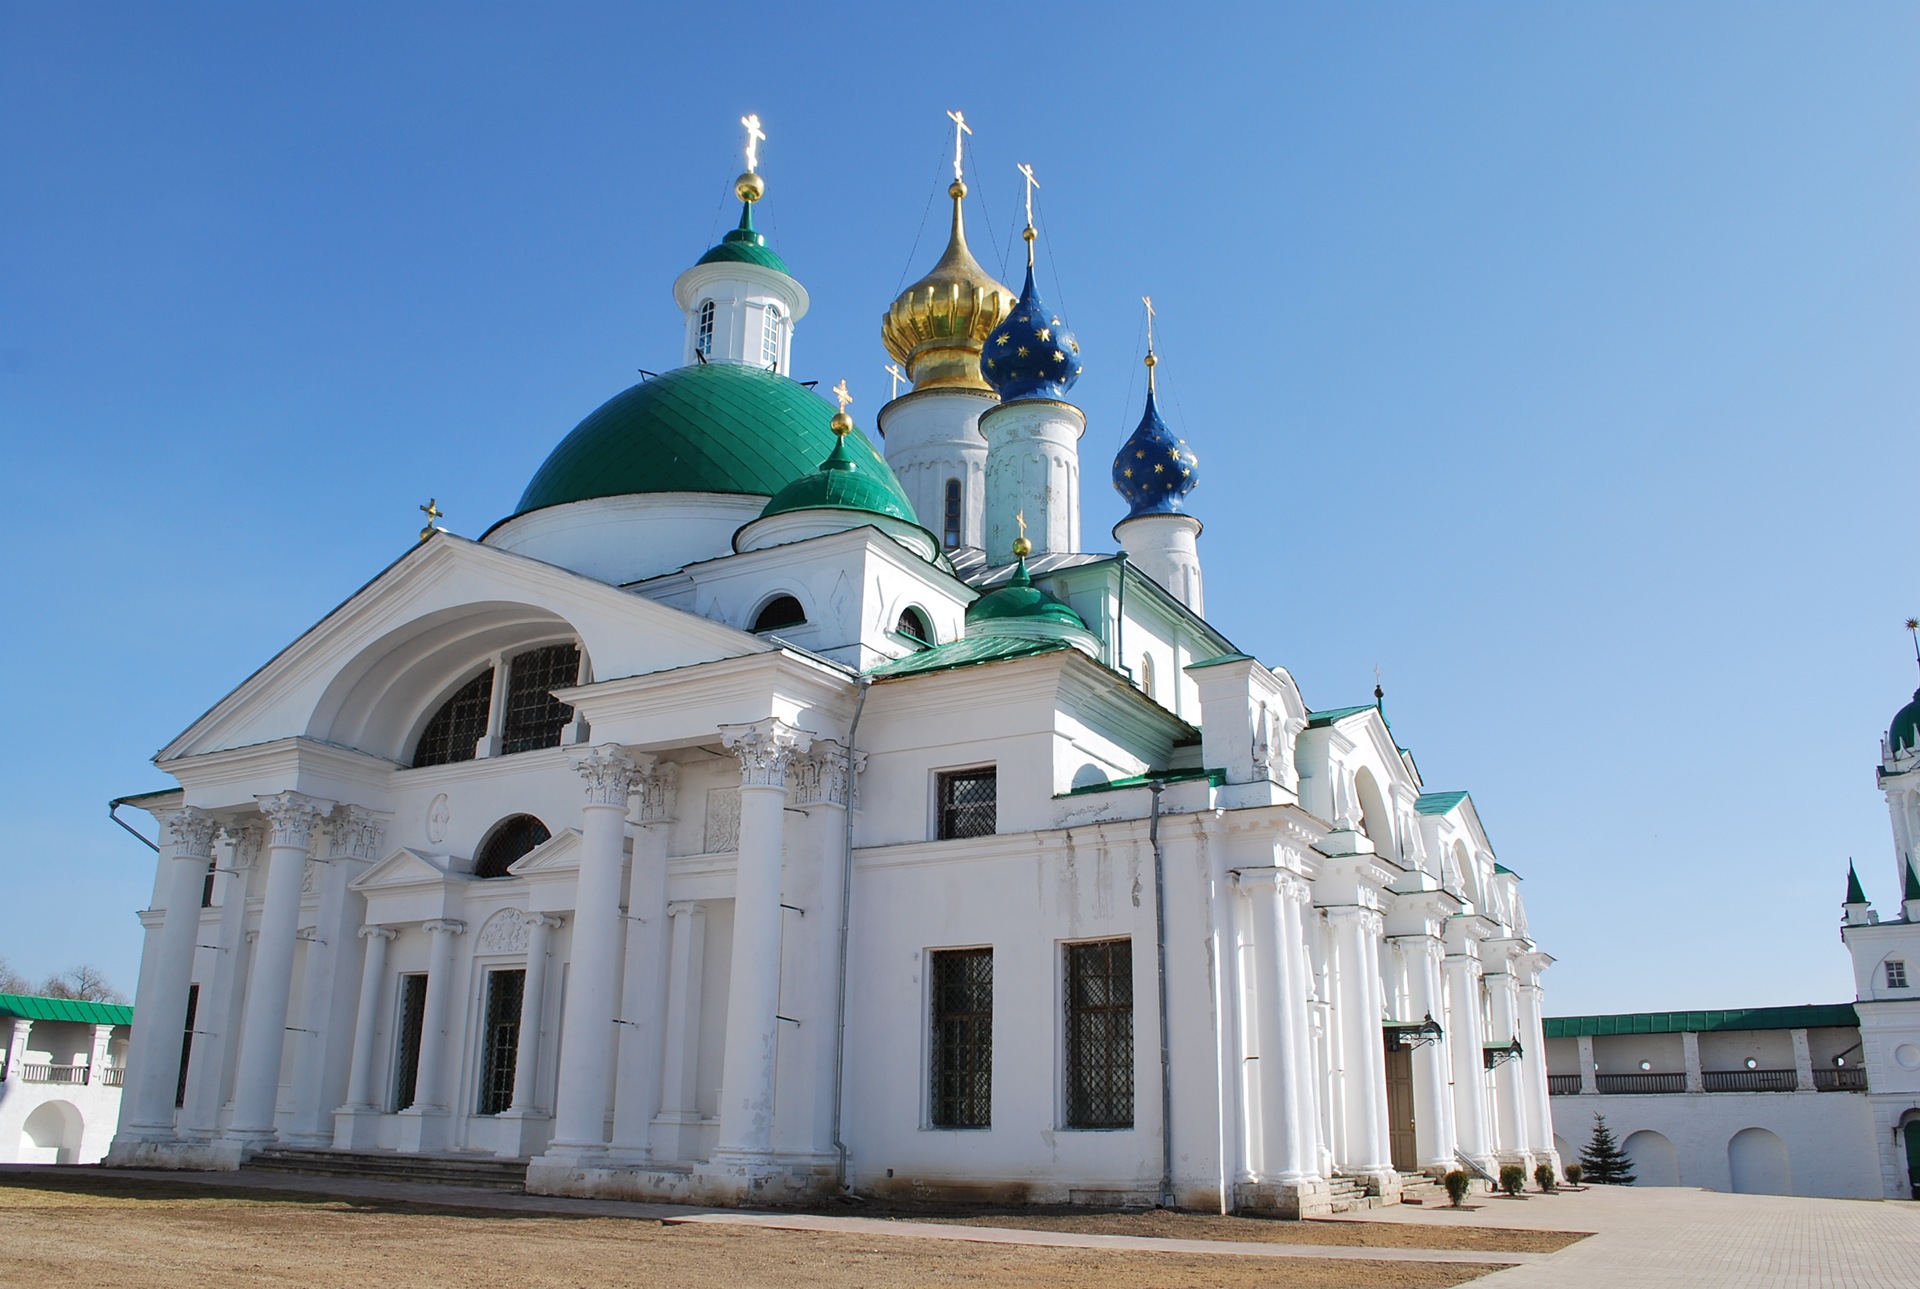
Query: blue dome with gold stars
<point x="1030" y="355"/>
<point x="1154" y="471"/>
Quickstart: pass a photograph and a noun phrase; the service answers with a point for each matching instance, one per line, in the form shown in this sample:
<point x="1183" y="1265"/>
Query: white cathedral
<point x="754" y="815"/>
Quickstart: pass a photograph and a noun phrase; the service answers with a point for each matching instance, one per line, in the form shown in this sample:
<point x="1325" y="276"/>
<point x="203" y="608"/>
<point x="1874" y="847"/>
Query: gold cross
<point x="893" y="370"/>
<point x="840" y="392"/>
<point x="1151" y="360"/>
<point x="754" y="135"/>
<point x="1021" y="519"/>
<point x="432" y="511"/>
<point x="960" y="127"/>
<point x="1032" y="183"/>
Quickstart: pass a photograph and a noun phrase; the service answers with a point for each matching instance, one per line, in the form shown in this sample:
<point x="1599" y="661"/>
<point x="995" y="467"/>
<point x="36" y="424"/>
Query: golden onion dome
<point x="939" y="324"/>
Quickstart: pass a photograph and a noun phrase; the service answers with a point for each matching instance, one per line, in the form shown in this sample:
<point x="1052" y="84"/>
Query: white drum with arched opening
<point x="1655" y="1162"/>
<point x="1757" y="1160"/>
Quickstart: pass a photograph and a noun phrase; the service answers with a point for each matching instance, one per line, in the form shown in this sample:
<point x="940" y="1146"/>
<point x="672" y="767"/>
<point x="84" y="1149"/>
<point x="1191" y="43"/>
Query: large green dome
<point x="713" y="427"/>
<point x="1904" y="733"/>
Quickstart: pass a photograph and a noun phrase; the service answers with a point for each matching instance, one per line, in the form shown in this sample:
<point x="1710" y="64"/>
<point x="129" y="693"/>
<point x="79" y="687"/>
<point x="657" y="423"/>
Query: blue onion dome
<point x="1154" y="471"/>
<point x="1904" y="734"/>
<point x="1030" y="355"/>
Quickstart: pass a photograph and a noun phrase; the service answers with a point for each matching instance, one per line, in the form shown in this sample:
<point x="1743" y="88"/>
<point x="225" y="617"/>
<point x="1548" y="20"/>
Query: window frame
<point x="766" y="606"/>
<point x="490" y="1097"/>
<point x="770" y="321"/>
<point x="493" y="834"/>
<point x="703" y="328"/>
<point x="953" y="509"/>
<point x="1899" y="966"/>
<point x="963" y="774"/>
<point x="934" y="1104"/>
<point x="556" y="713"/>
<point x="402" y="1060"/>
<point x="1070" y="1118"/>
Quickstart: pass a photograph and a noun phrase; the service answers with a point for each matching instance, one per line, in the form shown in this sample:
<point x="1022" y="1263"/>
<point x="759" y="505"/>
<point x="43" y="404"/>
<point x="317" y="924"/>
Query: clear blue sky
<point x="1557" y="359"/>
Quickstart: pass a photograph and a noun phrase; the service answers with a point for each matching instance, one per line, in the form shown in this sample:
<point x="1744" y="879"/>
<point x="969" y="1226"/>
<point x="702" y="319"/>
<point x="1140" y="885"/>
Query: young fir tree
<point x="1605" y="1163"/>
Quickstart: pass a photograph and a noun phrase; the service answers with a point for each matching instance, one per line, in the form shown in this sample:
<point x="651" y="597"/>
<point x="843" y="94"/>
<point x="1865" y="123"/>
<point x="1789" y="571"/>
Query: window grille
<point x="186" y="1047"/>
<point x="1896" y="975"/>
<point x="962" y="1055"/>
<point x="770" y="337"/>
<point x="967" y="804"/>
<point x="913" y="625"/>
<point x="703" y="333"/>
<point x="1100" y="1034"/>
<point x="534" y="716"/>
<point x="500" y="1039"/>
<point x="460" y="723"/>
<point x="951" y="535"/>
<point x="511" y="838"/>
<point x="406" y="1057"/>
<point x="206" y="886"/>
<point x="781" y="612"/>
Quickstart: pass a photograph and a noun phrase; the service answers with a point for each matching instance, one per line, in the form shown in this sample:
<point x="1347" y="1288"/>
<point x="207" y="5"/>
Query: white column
<point x="1283" y="1154"/>
<point x="1296" y="896"/>
<point x="160" y="1019"/>
<point x="217" y="1017"/>
<point x="680" y="1069"/>
<point x="533" y="997"/>
<point x="17" y="1047"/>
<point x="97" y="1053"/>
<point x="1589" y="1077"/>
<point x="1510" y="1118"/>
<point x="1466" y="1044"/>
<point x="593" y="984"/>
<point x="643" y="992"/>
<point x="1533" y="1060"/>
<point x="1432" y="1091"/>
<point x="424" y="1124"/>
<point x="1357" y="932"/>
<point x="753" y="993"/>
<point x="1802" y="1061"/>
<point x="292" y="817"/>
<point x="1690" y="1060"/>
<point x="353" y="842"/>
<point x="373" y="981"/>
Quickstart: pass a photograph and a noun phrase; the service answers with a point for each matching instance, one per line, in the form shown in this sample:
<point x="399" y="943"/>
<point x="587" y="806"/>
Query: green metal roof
<point x="1317" y="719"/>
<point x="1222" y="660"/>
<point x="1437" y="803"/>
<point x="965" y="653"/>
<point x="1502" y="868"/>
<point x="745" y="245"/>
<point x="1855" y="895"/>
<point x="842" y="483"/>
<point x="711" y="427"/>
<point x="1018" y="597"/>
<point x="1216" y="777"/>
<point x="33" y="1007"/>
<point x="1822" y="1016"/>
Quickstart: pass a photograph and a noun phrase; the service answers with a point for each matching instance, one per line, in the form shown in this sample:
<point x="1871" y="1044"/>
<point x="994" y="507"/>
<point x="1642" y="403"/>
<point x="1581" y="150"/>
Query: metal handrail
<point x="1561" y="1085"/>
<point x="1853" y="1080"/>
<point x="1750" y="1081"/>
<point x="1640" y="1083"/>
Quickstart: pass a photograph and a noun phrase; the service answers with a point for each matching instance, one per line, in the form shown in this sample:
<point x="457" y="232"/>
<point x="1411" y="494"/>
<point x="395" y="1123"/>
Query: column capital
<point x="245" y="838"/>
<point x="355" y="832"/>
<point x="384" y="932"/>
<point x="765" y="747"/>
<point x="192" y="831"/>
<point x="1294" y="887"/>
<point x="821" y="775"/>
<point x="609" y="773"/>
<point x="444" y="926"/>
<point x="656" y="783"/>
<point x="552" y="921"/>
<point x="292" y="817"/>
<point x="1368" y="920"/>
<point x="687" y="908"/>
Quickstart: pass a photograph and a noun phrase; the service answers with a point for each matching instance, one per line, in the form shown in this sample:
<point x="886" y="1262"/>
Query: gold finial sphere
<point x="1022" y="548"/>
<point x="841" y="424"/>
<point x="956" y="190"/>
<point x="750" y="187"/>
<point x="1151" y="360"/>
<point x="1028" y="233"/>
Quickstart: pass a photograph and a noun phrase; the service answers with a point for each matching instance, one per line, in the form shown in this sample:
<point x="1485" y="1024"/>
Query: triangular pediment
<point x="405" y="868"/>
<point x="558" y="854"/>
<point x="366" y="675"/>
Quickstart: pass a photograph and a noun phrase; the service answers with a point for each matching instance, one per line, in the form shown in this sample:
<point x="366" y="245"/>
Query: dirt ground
<point x="1203" y="1226"/>
<point x="111" y="1232"/>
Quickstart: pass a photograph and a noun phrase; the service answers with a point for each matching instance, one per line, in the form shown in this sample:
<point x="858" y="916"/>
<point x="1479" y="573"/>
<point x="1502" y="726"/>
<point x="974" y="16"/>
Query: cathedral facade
<point x="755" y="814"/>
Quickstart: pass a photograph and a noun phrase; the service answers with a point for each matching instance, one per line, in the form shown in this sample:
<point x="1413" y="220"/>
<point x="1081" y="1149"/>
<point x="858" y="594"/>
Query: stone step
<point x="457" y="1170"/>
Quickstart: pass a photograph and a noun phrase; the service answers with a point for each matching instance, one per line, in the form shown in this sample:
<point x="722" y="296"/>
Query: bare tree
<point x="11" y="981"/>
<point x="84" y="982"/>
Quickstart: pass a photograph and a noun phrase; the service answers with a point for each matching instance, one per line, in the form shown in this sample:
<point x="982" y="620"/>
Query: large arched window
<point x="770" y="337"/>
<point x="703" y="333"/>
<point x="534" y="717"/>
<point x="510" y="839"/>
<point x="781" y="612"/>
<point x="459" y="725"/>
<point x="950" y="535"/>
<point x="913" y="625"/>
<point x="1146" y="674"/>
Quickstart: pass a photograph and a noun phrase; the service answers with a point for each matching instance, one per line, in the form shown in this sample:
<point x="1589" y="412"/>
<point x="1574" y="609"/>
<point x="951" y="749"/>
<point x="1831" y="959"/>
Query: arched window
<point x="534" y="717"/>
<point x="951" y="534"/>
<point x="1146" y="674"/>
<point x="781" y="612"/>
<point x="770" y="338"/>
<point x="460" y="723"/>
<point x="510" y="839"/>
<point x="703" y="333"/>
<point x="913" y="625"/>
<point x="1375" y="822"/>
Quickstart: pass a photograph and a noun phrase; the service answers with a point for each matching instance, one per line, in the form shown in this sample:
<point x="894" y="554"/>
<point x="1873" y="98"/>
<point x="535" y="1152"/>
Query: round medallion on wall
<point x="439" y="814"/>
<point x="1907" y="1056"/>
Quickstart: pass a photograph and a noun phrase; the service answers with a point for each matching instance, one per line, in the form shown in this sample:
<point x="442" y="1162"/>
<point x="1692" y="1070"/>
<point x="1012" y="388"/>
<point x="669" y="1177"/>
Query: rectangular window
<point x="1100" y="1034"/>
<point x="770" y="338"/>
<point x="951" y="517"/>
<point x="962" y="1052"/>
<point x="967" y="804"/>
<point x="406" y="1052"/>
<point x="1896" y="974"/>
<point x="500" y="1039"/>
<point x="186" y="1046"/>
<point x="534" y="717"/>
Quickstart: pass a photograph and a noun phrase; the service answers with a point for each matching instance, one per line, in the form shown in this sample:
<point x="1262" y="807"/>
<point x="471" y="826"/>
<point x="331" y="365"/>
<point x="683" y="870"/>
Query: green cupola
<point x="1903" y="735"/>
<point x="844" y="482"/>
<point x="1019" y="608"/>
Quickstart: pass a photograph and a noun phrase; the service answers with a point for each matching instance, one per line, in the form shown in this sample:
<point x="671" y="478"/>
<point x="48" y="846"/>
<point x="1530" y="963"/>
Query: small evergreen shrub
<point x="1513" y="1178"/>
<point x="1457" y="1185"/>
<point x="1543" y="1177"/>
<point x="1602" y="1160"/>
<point x="1574" y="1173"/>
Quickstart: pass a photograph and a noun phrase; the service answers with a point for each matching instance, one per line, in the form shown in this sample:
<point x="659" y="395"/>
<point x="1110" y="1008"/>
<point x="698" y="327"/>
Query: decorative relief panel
<point x="723" y="820"/>
<point x="504" y="932"/>
<point x="439" y="815"/>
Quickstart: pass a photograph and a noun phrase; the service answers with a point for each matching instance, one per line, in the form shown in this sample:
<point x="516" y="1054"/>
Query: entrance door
<point x="1913" y="1157"/>
<point x="1400" y="1111"/>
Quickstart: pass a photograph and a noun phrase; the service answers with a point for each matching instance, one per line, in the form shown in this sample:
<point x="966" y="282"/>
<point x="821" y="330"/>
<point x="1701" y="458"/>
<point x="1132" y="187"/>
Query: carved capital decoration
<point x="292" y="817"/>
<point x="686" y="908"/>
<point x="821" y="775"/>
<point x="244" y="841"/>
<point x="192" y="832"/>
<point x="1368" y="920"/>
<point x="1294" y="887"/>
<point x="384" y="932"/>
<point x="444" y="926"/>
<point x="765" y="748"/>
<point x="609" y="774"/>
<point x="551" y="921"/>
<point x="657" y="789"/>
<point x="355" y="833"/>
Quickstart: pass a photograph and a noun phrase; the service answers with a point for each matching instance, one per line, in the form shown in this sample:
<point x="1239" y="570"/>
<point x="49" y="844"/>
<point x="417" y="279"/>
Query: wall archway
<point x="51" y="1134"/>
<point x="1757" y="1160"/>
<point x="1655" y="1162"/>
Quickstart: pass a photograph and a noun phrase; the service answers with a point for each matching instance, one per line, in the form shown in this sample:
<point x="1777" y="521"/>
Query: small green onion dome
<point x="842" y="483"/>
<point x="745" y="245"/>
<point x="1904" y="734"/>
<point x="1021" y="600"/>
